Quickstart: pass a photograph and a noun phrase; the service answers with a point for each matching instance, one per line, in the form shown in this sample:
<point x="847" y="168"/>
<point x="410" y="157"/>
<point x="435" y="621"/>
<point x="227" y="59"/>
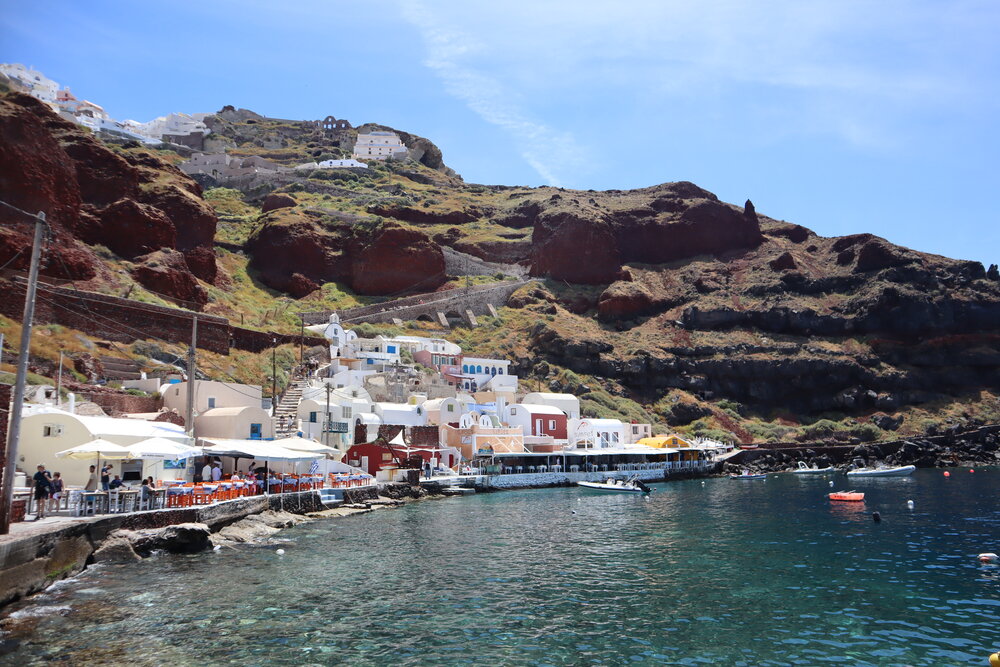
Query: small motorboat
<point x="746" y="474"/>
<point x="803" y="469"/>
<point x="630" y="485"/>
<point x="898" y="471"/>
<point x="849" y="496"/>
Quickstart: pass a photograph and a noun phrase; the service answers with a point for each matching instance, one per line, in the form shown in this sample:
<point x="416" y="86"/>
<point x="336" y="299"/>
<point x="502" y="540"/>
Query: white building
<point x="444" y="411"/>
<point x="568" y="403"/>
<point x="246" y="422"/>
<point x="49" y="430"/>
<point x="482" y="374"/>
<point x="175" y="124"/>
<point x="41" y="86"/>
<point x="209" y="394"/>
<point x="401" y="414"/>
<point x="597" y="434"/>
<point x="379" y="146"/>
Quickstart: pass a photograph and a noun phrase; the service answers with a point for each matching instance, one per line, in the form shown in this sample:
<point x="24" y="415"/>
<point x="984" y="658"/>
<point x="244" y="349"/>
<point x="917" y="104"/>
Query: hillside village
<point x="639" y="332"/>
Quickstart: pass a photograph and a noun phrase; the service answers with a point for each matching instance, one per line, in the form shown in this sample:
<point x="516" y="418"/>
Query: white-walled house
<point x="597" y="434"/>
<point x="209" y="394"/>
<point x="568" y="403"/>
<point x="483" y="374"/>
<point x="346" y="406"/>
<point x="401" y="414"/>
<point x="378" y="351"/>
<point x="536" y="420"/>
<point x="636" y="432"/>
<point x="444" y="411"/>
<point x="49" y="430"/>
<point x="41" y="86"/>
<point x="378" y="145"/>
<point x="245" y="422"/>
<point x="339" y="336"/>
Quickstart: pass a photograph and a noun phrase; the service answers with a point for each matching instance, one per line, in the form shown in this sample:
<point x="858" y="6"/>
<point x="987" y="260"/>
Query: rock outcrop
<point x="295" y="251"/>
<point x="129" y="201"/>
<point x="166" y="272"/>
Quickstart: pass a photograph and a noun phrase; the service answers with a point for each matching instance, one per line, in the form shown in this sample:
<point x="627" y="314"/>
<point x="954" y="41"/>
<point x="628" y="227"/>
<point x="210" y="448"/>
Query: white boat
<point x="631" y="485"/>
<point x="898" y="471"/>
<point x="803" y="469"/>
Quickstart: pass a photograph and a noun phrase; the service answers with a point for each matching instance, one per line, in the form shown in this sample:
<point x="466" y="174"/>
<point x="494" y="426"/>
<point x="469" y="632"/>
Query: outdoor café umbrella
<point x="161" y="448"/>
<point x="98" y="447"/>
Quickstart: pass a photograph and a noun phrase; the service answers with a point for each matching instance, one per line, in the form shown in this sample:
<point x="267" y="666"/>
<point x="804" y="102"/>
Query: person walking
<point x="92" y="480"/>
<point x="106" y="477"/>
<point x="43" y="487"/>
<point x="57" y="491"/>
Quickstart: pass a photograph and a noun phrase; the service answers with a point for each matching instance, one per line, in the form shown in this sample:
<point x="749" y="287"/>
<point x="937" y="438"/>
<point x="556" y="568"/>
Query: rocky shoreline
<point x="967" y="450"/>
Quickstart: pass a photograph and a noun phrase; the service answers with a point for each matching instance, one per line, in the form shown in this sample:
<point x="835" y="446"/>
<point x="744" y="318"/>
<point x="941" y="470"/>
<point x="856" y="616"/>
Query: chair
<point x="113" y="499"/>
<point x="128" y="502"/>
<point x="75" y="500"/>
<point x="200" y="496"/>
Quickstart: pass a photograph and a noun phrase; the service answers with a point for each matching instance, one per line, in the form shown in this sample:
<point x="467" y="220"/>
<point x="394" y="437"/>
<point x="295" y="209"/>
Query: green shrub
<point x="821" y="430"/>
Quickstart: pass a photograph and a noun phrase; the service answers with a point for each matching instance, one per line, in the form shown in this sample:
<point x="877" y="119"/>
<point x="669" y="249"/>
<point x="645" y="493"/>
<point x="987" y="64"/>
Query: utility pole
<point x="14" y="434"/>
<point x="189" y="418"/>
<point x="59" y="382"/>
<point x="327" y="422"/>
<point x="1" y="347"/>
<point x="302" y="338"/>
<point x="274" y="377"/>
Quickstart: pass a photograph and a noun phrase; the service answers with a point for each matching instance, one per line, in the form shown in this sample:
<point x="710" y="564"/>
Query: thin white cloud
<point x="549" y="152"/>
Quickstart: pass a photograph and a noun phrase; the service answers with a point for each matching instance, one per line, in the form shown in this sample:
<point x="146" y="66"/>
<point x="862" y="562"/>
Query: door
<point x="364" y="464"/>
<point x="539" y="430"/>
<point x="255" y="431"/>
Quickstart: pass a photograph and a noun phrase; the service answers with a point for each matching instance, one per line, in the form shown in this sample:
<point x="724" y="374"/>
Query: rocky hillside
<point x="660" y="303"/>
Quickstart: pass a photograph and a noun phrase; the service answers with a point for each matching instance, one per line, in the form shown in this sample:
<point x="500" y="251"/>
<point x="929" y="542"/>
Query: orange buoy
<point x="971" y="470"/>
<point x="947" y="474"/>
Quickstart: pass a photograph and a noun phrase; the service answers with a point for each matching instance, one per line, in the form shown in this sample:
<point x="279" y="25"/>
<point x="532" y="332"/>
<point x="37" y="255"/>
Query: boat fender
<point x="971" y="470"/>
<point x="280" y="552"/>
<point x="876" y="517"/>
<point x="947" y="474"/>
<point x="995" y="659"/>
<point x="987" y="557"/>
<point x="909" y="503"/>
<point x="831" y="483"/>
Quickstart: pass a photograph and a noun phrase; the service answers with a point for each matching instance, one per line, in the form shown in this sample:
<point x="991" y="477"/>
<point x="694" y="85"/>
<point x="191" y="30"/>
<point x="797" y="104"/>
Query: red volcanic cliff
<point x="131" y="202"/>
<point x="295" y="251"/>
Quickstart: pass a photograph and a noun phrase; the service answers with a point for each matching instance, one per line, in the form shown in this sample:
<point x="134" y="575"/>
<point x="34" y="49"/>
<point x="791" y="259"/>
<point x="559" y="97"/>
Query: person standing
<point x="43" y="487"/>
<point x="216" y="472"/>
<point x="57" y="491"/>
<point x="206" y="472"/>
<point x="92" y="480"/>
<point x="105" y="477"/>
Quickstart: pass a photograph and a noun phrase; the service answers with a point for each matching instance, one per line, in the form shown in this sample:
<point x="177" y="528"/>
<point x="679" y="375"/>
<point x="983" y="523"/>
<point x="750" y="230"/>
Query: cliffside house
<point x="536" y="420"/>
<point x="568" y="403"/>
<point x="379" y="145"/>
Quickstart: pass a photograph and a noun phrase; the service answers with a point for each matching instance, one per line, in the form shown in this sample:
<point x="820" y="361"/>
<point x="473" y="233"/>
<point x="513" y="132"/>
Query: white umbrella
<point x="161" y="448"/>
<point x="99" y="448"/>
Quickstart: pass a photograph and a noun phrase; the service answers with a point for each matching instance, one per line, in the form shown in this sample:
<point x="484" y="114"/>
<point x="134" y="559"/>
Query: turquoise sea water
<point x="721" y="573"/>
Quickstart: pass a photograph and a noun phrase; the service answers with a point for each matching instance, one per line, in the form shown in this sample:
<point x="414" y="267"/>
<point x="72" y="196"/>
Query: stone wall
<point x="116" y="404"/>
<point x="125" y="320"/>
<point x="458" y="300"/>
<point x="114" y="318"/>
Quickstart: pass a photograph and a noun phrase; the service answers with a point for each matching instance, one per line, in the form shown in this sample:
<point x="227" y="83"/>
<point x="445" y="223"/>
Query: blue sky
<point x="844" y="116"/>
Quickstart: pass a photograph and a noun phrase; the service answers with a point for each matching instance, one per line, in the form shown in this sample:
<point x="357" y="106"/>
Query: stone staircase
<point x="286" y="413"/>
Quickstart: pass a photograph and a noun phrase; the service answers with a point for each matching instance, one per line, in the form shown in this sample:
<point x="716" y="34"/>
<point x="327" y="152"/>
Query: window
<point x="386" y="456"/>
<point x="493" y="371"/>
<point x="345" y="412"/>
<point x="451" y="407"/>
<point x="52" y="430"/>
<point x="552" y="424"/>
<point x="465" y="368"/>
<point x="312" y="417"/>
<point x="211" y="402"/>
<point x="513" y="411"/>
<point x="500" y="371"/>
<point x="479" y="369"/>
<point x="391" y="349"/>
<point x="371" y="361"/>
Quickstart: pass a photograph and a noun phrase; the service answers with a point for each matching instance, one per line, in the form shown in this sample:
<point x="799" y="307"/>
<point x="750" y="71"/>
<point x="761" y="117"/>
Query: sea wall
<point x="34" y="557"/>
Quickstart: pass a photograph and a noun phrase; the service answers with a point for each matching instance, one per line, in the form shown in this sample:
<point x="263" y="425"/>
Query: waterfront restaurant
<point x="625" y="459"/>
